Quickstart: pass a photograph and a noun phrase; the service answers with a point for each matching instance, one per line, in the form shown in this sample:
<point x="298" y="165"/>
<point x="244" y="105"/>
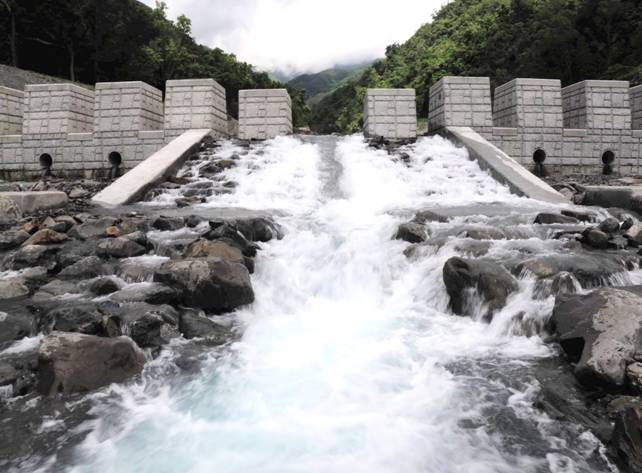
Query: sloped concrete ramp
<point x="504" y="168"/>
<point x="133" y="185"/>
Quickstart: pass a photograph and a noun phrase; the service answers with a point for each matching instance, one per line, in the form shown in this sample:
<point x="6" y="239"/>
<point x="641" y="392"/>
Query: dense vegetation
<point x="318" y="85"/>
<point x="113" y="40"/>
<point x="567" y="39"/>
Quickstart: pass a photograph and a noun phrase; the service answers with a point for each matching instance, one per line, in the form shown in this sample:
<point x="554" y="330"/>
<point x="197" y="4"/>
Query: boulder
<point x="80" y="317"/>
<point x="46" y="236"/>
<point x="411" y="232"/>
<point x="63" y="223"/>
<point x="551" y="218"/>
<point x="138" y="237"/>
<point x="219" y="249"/>
<point x="426" y="216"/>
<point x="54" y="289"/>
<point x="9" y="211"/>
<point x="194" y="324"/>
<point x="35" y="255"/>
<point x="86" y="268"/>
<point x="590" y="269"/>
<point x="258" y="229"/>
<point x="581" y="216"/>
<point x="134" y="224"/>
<point x="13" y="288"/>
<point x="16" y="321"/>
<point x="92" y="228"/>
<point x="10" y="239"/>
<point x="119" y="248"/>
<point x="600" y="332"/>
<point x="150" y="326"/>
<point x="73" y="251"/>
<point x="488" y="233"/>
<point x="164" y="223"/>
<point x="596" y="238"/>
<point x="210" y="284"/>
<point x="73" y="362"/>
<point x="150" y="292"/>
<point x="626" y="443"/>
<point x="103" y="286"/>
<point x="490" y="280"/>
<point x="609" y="225"/>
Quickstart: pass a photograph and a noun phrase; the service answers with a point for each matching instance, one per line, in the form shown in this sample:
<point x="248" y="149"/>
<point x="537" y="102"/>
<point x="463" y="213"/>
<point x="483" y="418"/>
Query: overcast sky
<point x="296" y="36"/>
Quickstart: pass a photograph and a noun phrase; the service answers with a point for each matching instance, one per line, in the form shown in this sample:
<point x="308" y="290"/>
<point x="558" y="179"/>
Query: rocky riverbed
<point x="386" y="276"/>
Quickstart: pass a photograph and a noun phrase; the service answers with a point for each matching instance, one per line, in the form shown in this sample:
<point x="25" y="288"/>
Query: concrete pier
<point x="264" y="114"/>
<point x="390" y="113"/>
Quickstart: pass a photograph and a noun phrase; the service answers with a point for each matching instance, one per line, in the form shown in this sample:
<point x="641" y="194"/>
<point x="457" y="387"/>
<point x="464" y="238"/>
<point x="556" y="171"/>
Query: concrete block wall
<point x="79" y="132"/>
<point x="264" y="114"/>
<point x="11" y="111"/>
<point x="57" y="108"/>
<point x="460" y="101"/>
<point x="577" y="129"/>
<point x="195" y="104"/>
<point x="597" y="104"/>
<point x="127" y="106"/>
<point x="635" y="99"/>
<point x="391" y="113"/>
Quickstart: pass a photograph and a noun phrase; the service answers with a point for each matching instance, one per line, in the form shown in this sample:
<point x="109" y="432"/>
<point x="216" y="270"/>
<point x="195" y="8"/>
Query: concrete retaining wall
<point x="264" y="114"/>
<point x="84" y="133"/>
<point x="391" y="113"/>
<point x="531" y="119"/>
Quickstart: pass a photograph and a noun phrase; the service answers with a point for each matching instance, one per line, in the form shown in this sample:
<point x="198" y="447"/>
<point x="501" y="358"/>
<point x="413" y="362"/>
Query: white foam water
<point x="350" y="360"/>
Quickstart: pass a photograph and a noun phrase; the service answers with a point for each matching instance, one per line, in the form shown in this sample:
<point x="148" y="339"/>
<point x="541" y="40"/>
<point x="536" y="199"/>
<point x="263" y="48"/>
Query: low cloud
<point x="295" y="36"/>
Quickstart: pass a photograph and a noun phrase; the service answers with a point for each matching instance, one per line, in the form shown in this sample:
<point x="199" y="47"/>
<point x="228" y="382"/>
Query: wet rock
<point x="119" y="248"/>
<point x="164" y="223"/>
<point x="92" y="228"/>
<point x="64" y="223"/>
<point x="219" y="249"/>
<point x="193" y="221"/>
<point x="426" y="216"/>
<point x="581" y="216"/>
<point x="113" y="232"/>
<point x="73" y="251"/>
<point x="618" y="242"/>
<point x="564" y="283"/>
<point x="75" y="316"/>
<point x="550" y="218"/>
<point x="55" y="288"/>
<point x="78" y="193"/>
<point x="596" y="238"/>
<point x="228" y="233"/>
<point x="589" y="269"/>
<point x="627" y="439"/>
<point x="610" y="225"/>
<point x="46" y="237"/>
<point x="491" y="280"/>
<point x="258" y="229"/>
<point x="103" y="286"/>
<point x="86" y="268"/>
<point x="411" y="232"/>
<point x="150" y="326"/>
<point x="210" y="284"/>
<point x="194" y="324"/>
<point x="634" y="377"/>
<point x="484" y="234"/>
<point x="10" y="239"/>
<point x="600" y="333"/>
<point x="13" y="288"/>
<point x="138" y="237"/>
<point x="35" y="255"/>
<point x="16" y="321"/>
<point x="9" y="212"/>
<point x="134" y="224"/>
<point x="68" y="362"/>
<point x="150" y="292"/>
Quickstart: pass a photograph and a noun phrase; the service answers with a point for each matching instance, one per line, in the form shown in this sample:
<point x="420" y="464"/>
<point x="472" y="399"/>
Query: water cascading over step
<point x="350" y="359"/>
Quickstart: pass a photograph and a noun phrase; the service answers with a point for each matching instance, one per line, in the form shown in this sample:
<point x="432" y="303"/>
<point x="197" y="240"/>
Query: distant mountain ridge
<point x="318" y="85"/>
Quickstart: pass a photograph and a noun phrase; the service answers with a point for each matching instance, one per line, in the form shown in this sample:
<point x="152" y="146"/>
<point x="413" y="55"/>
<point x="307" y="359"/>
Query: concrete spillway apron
<point x="504" y="168"/>
<point x="133" y="185"/>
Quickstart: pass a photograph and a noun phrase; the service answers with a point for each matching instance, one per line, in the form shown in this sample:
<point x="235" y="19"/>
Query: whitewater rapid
<point x="349" y="360"/>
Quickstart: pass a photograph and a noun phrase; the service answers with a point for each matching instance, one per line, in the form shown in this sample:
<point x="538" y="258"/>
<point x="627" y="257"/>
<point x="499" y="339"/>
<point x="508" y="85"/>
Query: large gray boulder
<point x="92" y="228"/>
<point x="194" y="324"/>
<point x="73" y="362"/>
<point x="35" y="255"/>
<point x="150" y="326"/>
<point x="600" y="332"/>
<point x="220" y="249"/>
<point x="490" y="280"/>
<point x="208" y="283"/>
<point x="119" y="248"/>
<point x="10" y="239"/>
<point x="258" y="229"/>
<point x="411" y="232"/>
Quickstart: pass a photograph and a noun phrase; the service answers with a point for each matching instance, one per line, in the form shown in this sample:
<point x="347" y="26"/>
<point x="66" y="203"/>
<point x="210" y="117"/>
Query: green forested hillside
<point x="114" y="40"/>
<point x="318" y="85"/>
<point x="567" y="39"/>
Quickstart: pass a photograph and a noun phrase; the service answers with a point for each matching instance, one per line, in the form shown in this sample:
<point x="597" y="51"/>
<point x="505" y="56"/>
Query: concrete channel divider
<point x="504" y="168"/>
<point x="163" y="163"/>
<point x="33" y="201"/>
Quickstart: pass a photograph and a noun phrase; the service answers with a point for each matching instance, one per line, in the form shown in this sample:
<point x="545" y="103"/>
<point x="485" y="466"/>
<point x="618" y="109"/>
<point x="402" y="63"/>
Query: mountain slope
<point x="317" y="85"/>
<point x="567" y="39"/>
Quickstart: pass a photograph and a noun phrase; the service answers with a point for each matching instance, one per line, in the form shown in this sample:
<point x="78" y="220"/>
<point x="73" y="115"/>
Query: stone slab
<point x="503" y="167"/>
<point x="152" y="170"/>
<point x="32" y="201"/>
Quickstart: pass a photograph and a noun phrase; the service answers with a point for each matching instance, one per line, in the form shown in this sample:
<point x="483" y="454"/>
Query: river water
<point x="349" y="360"/>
